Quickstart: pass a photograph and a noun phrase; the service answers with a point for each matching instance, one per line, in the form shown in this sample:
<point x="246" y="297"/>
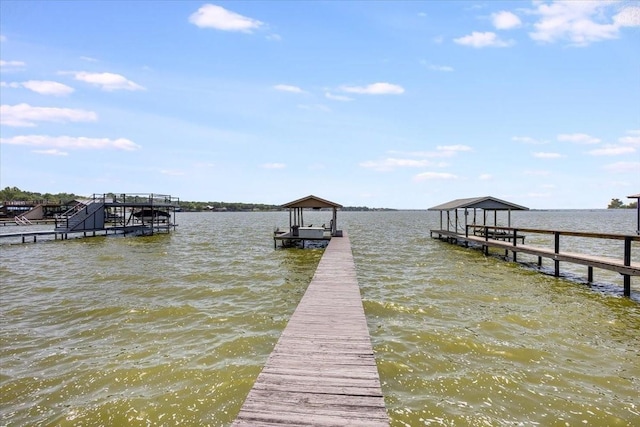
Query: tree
<point x="615" y="204"/>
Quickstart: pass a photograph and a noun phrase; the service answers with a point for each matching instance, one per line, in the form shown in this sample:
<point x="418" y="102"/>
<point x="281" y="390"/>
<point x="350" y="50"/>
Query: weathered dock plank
<point x="322" y="371"/>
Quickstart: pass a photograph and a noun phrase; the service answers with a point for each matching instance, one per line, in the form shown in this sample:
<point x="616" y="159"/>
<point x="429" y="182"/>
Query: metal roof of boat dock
<point x="311" y="202"/>
<point x="486" y="202"/>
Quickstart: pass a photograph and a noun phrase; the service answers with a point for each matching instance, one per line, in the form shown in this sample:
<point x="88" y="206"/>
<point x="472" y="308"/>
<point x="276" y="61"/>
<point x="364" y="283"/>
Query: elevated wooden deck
<point x="322" y="371"/>
<point x="624" y="266"/>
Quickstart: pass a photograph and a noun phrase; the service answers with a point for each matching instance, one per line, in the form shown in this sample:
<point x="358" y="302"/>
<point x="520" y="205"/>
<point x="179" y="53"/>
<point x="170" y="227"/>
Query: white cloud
<point x="485" y="177"/>
<point x="71" y="142"/>
<point x="543" y="155"/>
<point x="274" y="166"/>
<point x="505" y="20"/>
<point x="11" y="65"/>
<point x="443" y="68"/>
<point x="88" y="59"/>
<point x="633" y="138"/>
<point x="441" y="151"/>
<point x="528" y="140"/>
<point x="375" y="89"/>
<point x="212" y="16"/>
<point x="628" y="17"/>
<point x="47" y="87"/>
<point x="578" y="138"/>
<point x="3" y="38"/>
<point x="581" y="22"/>
<point x="51" y="152"/>
<point x="479" y="40"/>
<point x="314" y="107"/>
<point x="454" y="148"/>
<point x="24" y="115"/>
<point x="106" y="81"/>
<point x="623" y="167"/>
<point x="288" y="88"/>
<point x="612" y="150"/>
<point x="342" y="98"/>
<point x="434" y="175"/>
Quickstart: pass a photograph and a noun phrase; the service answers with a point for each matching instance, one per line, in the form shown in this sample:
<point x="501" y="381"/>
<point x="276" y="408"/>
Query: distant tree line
<point x="16" y="194"/>
<point x="245" y="207"/>
<point x="225" y="206"/>
<point x="364" y="209"/>
<point x="618" y="204"/>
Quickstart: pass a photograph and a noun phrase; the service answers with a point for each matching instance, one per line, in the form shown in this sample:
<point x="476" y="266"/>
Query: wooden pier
<point x="33" y="236"/>
<point x="322" y="371"/>
<point x="623" y="265"/>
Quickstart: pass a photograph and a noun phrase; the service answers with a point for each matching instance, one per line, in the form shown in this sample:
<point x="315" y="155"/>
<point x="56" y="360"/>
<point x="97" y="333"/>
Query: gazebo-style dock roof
<point x="486" y="204"/>
<point x="297" y="229"/>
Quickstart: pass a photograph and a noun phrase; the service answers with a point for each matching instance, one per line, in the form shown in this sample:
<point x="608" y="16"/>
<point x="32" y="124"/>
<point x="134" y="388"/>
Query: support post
<point x="627" y="262"/>
<point x="557" y="251"/>
<point x="589" y="274"/>
<point x="627" y="285"/>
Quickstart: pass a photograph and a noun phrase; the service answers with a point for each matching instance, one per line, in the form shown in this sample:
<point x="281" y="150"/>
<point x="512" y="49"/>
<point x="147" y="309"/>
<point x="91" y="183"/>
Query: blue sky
<point x="385" y="104"/>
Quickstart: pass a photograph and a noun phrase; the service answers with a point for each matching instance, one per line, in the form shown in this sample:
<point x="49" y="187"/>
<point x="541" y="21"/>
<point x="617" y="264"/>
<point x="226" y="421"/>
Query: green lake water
<point x="173" y="329"/>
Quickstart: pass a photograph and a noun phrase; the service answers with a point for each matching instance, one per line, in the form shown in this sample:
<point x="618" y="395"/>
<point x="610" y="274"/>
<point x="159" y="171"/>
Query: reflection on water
<point x="173" y="329"/>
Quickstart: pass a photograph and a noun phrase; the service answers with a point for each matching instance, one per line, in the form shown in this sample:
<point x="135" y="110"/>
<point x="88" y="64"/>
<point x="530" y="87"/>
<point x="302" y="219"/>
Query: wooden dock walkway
<point x="625" y="266"/>
<point x="28" y="236"/>
<point x="322" y="371"/>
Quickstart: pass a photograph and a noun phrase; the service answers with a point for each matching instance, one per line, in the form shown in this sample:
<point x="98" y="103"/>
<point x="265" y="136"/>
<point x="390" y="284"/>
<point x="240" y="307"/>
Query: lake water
<point x="173" y="329"/>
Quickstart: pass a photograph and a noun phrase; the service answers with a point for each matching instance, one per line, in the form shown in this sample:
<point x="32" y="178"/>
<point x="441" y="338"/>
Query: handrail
<point x="22" y="220"/>
<point x="628" y="239"/>
<point x="611" y="236"/>
<point x="126" y="198"/>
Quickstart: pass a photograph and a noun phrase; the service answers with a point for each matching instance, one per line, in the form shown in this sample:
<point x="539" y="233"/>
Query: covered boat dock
<point x="481" y="226"/>
<point x="298" y="233"/>
<point x="485" y="235"/>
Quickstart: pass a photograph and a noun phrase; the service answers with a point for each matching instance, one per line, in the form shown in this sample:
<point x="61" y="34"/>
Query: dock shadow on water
<point x="174" y="329"/>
